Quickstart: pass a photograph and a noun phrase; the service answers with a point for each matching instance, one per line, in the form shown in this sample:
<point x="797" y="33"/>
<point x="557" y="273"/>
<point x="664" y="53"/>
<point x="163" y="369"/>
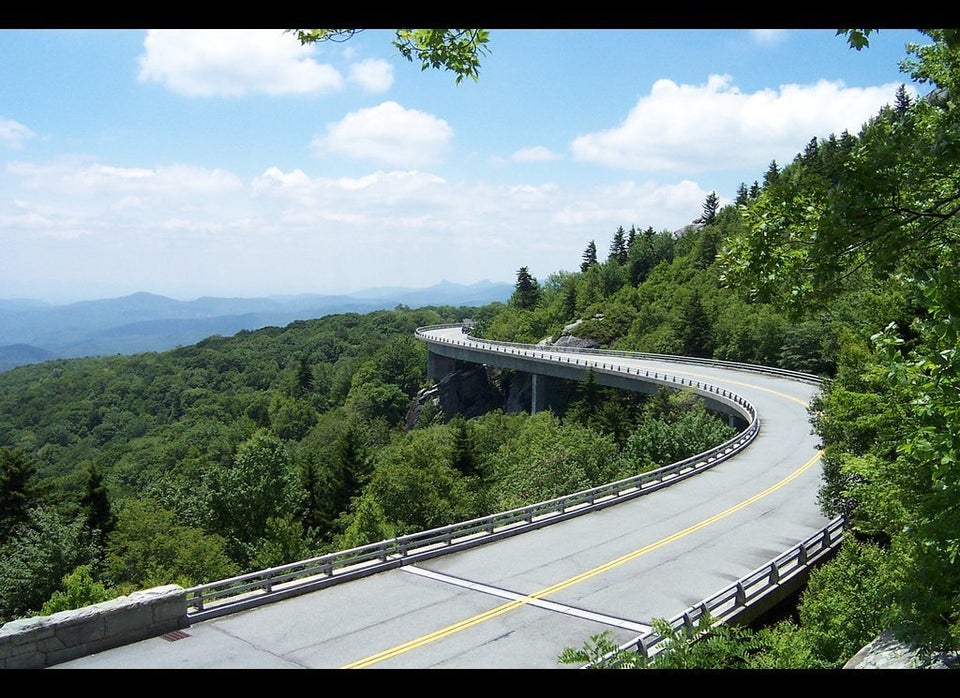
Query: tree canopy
<point x="459" y="51"/>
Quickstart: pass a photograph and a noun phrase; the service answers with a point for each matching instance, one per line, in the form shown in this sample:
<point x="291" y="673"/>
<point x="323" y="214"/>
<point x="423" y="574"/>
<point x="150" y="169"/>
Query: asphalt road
<point x="517" y="603"/>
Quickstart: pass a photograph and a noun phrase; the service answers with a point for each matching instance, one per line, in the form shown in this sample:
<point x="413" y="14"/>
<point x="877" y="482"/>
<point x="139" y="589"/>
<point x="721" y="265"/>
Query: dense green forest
<point x="271" y="446"/>
<point x="248" y="451"/>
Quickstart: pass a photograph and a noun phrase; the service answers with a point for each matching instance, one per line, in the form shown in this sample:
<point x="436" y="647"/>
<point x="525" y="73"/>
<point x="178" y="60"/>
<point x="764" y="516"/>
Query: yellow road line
<point x="504" y="608"/>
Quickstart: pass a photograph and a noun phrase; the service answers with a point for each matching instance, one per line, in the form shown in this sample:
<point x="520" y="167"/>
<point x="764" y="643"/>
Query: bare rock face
<point x="886" y="652"/>
<point x="569" y="340"/>
<point x="465" y="392"/>
<point x="519" y="395"/>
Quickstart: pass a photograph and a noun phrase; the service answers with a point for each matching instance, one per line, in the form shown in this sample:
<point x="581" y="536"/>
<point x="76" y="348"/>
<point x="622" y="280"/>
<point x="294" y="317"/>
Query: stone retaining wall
<point x="42" y="641"/>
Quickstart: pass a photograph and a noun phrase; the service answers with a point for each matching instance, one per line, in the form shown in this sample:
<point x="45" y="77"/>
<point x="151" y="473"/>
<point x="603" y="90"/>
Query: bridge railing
<point x="264" y="586"/>
<point x="753" y="368"/>
<point x="256" y="588"/>
<point x="783" y="575"/>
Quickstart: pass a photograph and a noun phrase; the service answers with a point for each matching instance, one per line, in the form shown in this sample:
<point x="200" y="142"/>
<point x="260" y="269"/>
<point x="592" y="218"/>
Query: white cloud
<point x="188" y="231"/>
<point x="388" y="134"/>
<point x="768" y="37"/>
<point x="695" y="128"/>
<point x="374" y="75"/>
<point x="96" y="178"/>
<point x="13" y="134"/>
<point x="72" y="197"/>
<point x="535" y="154"/>
<point x="233" y="62"/>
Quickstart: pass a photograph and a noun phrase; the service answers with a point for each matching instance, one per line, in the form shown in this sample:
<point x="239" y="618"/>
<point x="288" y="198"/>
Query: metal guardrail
<point x="787" y="570"/>
<point x="265" y="586"/>
<point x="528" y="348"/>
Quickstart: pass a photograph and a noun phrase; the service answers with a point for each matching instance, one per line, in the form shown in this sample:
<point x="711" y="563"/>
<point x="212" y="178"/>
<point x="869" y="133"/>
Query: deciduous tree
<point x="456" y="50"/>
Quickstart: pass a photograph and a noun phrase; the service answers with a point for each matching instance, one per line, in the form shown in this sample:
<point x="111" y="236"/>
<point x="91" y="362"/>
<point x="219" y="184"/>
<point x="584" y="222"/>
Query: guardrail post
<point x="741" y="598"/>
<point x="774" y="574"/>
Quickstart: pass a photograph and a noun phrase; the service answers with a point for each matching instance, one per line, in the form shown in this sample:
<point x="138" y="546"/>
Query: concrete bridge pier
<point x="538" y="393"/>
<point x="438" y="366"/>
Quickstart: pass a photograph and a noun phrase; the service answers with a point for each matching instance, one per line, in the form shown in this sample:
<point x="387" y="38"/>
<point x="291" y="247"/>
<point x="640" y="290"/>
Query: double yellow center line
<point x="511" y="605"/>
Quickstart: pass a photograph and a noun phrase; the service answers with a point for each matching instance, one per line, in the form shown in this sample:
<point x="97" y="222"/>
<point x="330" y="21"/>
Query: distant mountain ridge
<point x="33" y="331"/>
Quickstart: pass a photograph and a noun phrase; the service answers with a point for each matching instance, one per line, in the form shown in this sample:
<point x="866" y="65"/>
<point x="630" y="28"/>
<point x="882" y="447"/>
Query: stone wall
<point x="42" y="641"/>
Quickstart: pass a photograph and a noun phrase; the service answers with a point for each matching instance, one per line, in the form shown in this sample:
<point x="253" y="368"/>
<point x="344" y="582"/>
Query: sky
<point x="240" y="163"/>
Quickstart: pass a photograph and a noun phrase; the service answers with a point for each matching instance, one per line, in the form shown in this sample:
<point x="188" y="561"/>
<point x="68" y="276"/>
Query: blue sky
<point x="239" y="163"/>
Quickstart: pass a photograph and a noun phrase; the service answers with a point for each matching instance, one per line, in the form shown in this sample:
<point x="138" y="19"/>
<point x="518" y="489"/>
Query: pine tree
<point x="618" y="247"/>
<point x="743" y="195"/>
<point x="527" y="291"/>
<point x="902" y="101"/>
<point x="710" y="207"/>
<point x="772" y="174"/>
<point x="589" y="256"/>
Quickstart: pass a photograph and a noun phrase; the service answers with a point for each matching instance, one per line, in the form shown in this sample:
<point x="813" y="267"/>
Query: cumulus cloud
<point x="13" y="134"/>
<point x="388" y="134"/>
<point x="695" y="128"/>
<point x="233" y="62"/>
<point x="373" y="75"/>
<point x="535" y="154"/>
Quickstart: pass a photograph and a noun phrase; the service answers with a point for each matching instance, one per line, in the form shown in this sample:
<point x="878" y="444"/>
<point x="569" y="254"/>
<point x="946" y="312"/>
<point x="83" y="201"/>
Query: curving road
<point x="519" y="602"/>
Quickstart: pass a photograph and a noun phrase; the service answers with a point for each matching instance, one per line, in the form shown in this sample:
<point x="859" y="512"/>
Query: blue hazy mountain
<point x="33" y="331"/>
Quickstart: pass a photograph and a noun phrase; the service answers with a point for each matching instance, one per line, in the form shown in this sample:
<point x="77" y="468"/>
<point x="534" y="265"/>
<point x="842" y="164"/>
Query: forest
<point x="238" y="453"/>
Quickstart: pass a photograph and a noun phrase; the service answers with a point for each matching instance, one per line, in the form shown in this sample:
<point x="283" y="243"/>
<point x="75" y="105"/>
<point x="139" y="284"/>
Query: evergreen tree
<point x="743" y="195"/>
<point x="96" y="504"/>
<point x="463" y="458"/>
<point x="772" y="174"/>
<point x="586" y="405"/>
<point x="902" y="104"/>
<point x="618" y="247"/>
<point x="311" y="509"/>
<point x="348" y="473"/>
<point x="304" y="377"/>
<point x="17" y="492"/>
<point x="589" y="258"/>
<point x="695" y="328"/>
<point x="710" y="207"/>
<point x="527" y="291"/>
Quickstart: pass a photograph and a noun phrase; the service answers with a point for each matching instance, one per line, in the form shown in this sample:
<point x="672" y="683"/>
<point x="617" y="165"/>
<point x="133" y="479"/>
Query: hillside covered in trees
<point x="269" y="446"/>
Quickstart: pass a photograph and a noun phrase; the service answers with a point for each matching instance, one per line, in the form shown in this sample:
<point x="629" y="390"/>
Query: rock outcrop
<point x="886" y="652"/>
